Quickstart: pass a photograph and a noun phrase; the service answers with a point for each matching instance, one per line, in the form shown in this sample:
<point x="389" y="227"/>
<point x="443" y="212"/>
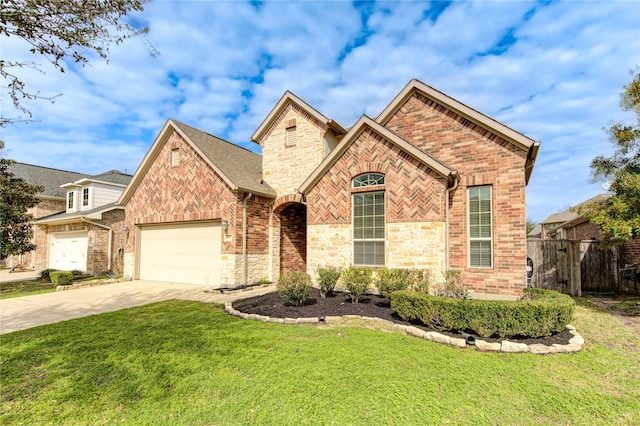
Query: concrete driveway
<point x="30" y="311"/>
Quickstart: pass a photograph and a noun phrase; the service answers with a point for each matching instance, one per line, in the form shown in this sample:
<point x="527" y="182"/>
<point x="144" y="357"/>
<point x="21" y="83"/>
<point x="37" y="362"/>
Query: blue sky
<point x="551" y="70"/>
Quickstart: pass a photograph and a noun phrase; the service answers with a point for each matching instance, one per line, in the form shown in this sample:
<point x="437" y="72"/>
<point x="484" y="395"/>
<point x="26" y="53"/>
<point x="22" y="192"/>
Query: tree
<point x="618" y="216"/>
<point x="59" y="31"/>
<point x="16" y="196"/>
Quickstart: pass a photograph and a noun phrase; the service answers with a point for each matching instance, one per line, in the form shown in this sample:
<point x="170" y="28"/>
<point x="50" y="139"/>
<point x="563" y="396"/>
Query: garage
<point x="181" y="253"/>
<point x="69" y="251"/>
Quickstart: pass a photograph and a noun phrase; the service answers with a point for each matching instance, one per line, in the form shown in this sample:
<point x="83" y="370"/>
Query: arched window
<point x="368" y="179"/>
<point x="369" y="221"/>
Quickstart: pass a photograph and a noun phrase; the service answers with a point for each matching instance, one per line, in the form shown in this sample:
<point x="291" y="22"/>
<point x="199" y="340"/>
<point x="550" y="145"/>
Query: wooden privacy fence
<point x="571" y="267"/>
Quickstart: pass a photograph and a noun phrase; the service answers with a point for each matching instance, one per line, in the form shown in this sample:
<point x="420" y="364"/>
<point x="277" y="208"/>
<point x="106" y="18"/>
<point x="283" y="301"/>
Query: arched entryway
<point x="293" y="237"/>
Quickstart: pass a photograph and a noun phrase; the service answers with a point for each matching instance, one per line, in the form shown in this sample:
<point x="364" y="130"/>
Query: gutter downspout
<point x="109" y="243"/>
<point x="456" y="180"/>
<point x="245" y="267"/>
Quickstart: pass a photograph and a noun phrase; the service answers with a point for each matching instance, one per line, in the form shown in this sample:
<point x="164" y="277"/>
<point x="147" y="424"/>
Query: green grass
<point x="190" y="363"/>
<point x="629" y="305"/>
<point x="25" y="288"/>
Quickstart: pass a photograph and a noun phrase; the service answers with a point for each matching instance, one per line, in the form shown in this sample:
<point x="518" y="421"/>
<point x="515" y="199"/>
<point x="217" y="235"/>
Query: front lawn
<point x="25" y="288"/>
<point x="190" y="363"/>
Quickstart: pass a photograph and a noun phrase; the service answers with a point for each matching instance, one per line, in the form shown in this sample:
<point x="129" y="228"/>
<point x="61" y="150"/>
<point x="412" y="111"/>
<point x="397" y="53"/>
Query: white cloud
<point x="551" y="71"/>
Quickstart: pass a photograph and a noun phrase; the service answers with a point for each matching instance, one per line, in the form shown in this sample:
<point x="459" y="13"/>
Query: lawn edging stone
<point x="575" y="343"/>
<point x="87" y="284"/>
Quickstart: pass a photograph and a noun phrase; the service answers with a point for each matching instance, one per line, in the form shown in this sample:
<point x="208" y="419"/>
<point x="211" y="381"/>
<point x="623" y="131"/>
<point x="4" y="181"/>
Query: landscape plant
<point x="451" y="286"/>
<point x="328" y="277"/>
<point x="541" y="313"/>
<point x="421" y="280"/>
<point x="61" y="277"/>
<point x="45" y="273"/>
<point x="389" y="280"/>
<point x="357" y="281"/>
<point x="294" y="287"/>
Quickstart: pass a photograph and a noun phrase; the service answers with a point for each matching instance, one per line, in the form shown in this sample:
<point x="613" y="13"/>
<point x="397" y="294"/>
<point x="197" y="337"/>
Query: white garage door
<point x="185" y="253"/>
<point x="69" y="251"/>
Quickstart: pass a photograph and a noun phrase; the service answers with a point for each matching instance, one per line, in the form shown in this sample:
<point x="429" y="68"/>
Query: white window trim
<point x="71" y="196"/>
<point x="89" y="198"/>
<point x="490" y="239"/>
<point x="354" y="239"/>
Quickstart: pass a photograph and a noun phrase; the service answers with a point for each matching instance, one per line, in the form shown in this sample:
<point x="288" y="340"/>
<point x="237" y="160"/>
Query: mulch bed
<point x="369" y="305"/>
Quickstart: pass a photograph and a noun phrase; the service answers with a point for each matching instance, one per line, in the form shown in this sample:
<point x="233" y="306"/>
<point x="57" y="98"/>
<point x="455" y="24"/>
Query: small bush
<point x="294" y="287"/>
<point x="357" y="281"/>
<point x="61" y="277"/>
<point x="327" y="279"/>
<point x="390" y="280"/>
<point x="76" y="273"/>
<point x="420" y="280"/>
<point x="45" y="273"/>
<point x="542" y="313"/>
<point x="452" y="285"/>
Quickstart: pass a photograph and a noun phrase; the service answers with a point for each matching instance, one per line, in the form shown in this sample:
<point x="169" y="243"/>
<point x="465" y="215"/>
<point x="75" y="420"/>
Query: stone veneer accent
<point x="575" y="343"/>
<point x="416" y="245"/>
<point x="328" y="245"/>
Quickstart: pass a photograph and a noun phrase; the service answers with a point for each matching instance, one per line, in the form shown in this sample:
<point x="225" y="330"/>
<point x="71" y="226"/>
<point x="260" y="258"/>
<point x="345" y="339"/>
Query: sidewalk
<point x="30" y="311"/>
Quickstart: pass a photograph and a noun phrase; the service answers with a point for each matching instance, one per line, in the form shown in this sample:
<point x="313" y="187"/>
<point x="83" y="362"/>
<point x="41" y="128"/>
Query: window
<point x="175" y="157"/>
<point x="70" y="200"/>
<point x="85" y="197"/>
<point x="480" y="227"/>
<point x="291" y="136"/>
<point x="369" y="222"/>
<point x="368" y="179"/>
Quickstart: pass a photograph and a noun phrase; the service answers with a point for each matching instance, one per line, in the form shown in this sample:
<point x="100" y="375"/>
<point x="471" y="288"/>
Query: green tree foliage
<point x="16" y="196"/>
<point x="59" y="31"/>
<point x="618" y="216"/>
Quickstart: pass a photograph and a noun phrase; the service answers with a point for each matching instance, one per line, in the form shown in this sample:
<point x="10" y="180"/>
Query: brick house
<point x="77" y="224"/>
<point x="429" y="183"/>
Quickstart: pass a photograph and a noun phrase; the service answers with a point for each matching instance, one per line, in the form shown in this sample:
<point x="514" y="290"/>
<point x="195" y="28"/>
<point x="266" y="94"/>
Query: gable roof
<point x="240" y="168"/>
<point x="469" y="113"/>
<point x="280" y="106"/>
<point x="49" y="178"/>
<point x="355" y="131"/>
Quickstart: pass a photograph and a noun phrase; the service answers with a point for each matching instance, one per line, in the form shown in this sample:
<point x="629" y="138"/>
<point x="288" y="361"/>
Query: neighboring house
<point x="571" y="225"/>
<point x="88" y="235"/>
<point x="429" y="183"/>
<point x="52" y="200"/>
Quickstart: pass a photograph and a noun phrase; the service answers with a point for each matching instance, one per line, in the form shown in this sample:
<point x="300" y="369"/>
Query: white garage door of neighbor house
<point x="185" y="253"/>
<point x="69" y="251"/>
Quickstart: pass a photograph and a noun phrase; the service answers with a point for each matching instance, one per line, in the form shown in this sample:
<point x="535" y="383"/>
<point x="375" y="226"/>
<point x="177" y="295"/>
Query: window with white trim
<point x="480" y="227"/>
<point x="369" y="221"/>
<point x="70" y="200"/>
<point x="85" y="197"/>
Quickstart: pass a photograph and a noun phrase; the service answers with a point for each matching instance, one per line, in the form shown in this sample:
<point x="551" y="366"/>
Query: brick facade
<point x="193" y="191"/>
<point x="481" y="158"/>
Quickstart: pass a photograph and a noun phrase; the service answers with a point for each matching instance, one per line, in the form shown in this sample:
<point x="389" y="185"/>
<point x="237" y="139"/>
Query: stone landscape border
<point x="575" y="343"/>
<point x="86" y="284"/>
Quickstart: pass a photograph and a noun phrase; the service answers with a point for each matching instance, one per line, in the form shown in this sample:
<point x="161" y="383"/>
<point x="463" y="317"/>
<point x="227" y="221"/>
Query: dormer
<point x="294" y="138"/>
<point x="93" y="192"/>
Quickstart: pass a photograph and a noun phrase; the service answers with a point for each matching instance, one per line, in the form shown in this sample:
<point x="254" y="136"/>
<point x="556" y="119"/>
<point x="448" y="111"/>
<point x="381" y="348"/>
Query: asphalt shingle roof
<point x="239" y="165"/>
<point x="49" y="178"/>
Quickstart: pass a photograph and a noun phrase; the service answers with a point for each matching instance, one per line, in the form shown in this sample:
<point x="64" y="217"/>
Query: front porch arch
<point x="292" y="219"/>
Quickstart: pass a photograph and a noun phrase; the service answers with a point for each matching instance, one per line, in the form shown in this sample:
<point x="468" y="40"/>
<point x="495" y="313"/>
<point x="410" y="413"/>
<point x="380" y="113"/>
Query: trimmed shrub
<point x="76" y="273"/>
<point x="390" y="280"/>
<point x="45" y="273"/>
<point x="61" y="277"/>
<point x="357" y="281"/>
<point x="294" y="287"/>
<point x="541" y="313"/>
<point x="327" y="279"/>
